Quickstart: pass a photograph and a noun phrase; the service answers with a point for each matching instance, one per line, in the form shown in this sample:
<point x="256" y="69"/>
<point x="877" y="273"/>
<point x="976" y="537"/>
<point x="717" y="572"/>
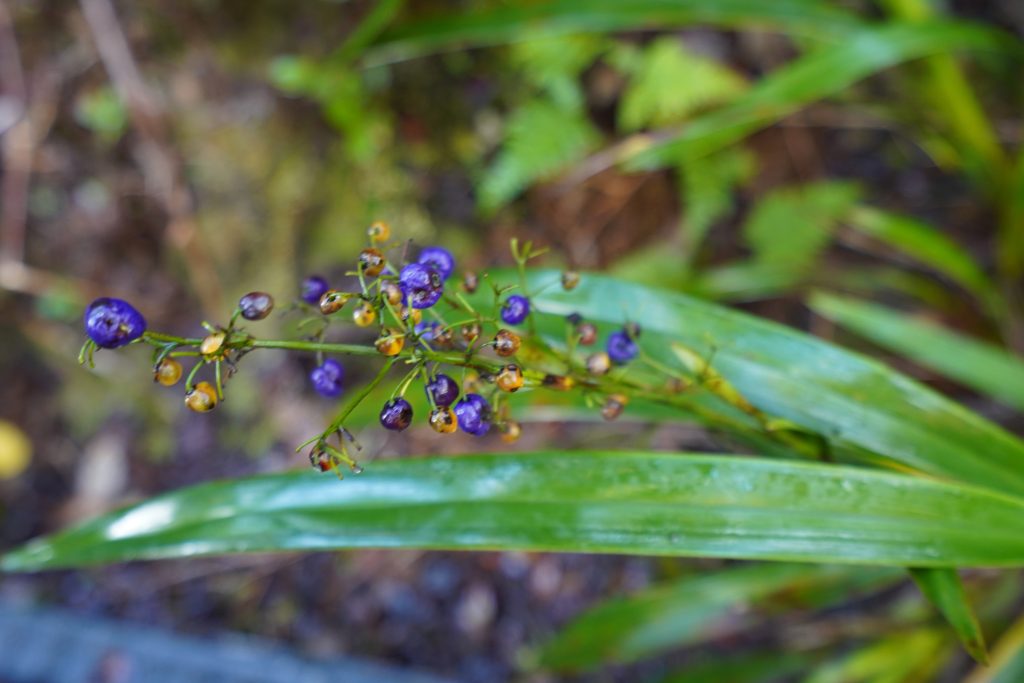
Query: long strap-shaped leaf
<point x="851" y="400"/>
<point x="819" y="74"/>
<point x="549" y="18"/>
<point x="660" y="504"/>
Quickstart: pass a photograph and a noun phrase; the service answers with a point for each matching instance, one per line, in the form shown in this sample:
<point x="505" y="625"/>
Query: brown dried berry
<point x="470" y="282"/>
<point x="613" y="406"/>
<point x="256" y="305"/>
<point x="470" y="332"/>
<point x="587" y="333"/>
<point x="371" y="261"/>
<point x="559" y="382"/>
<point x="506" y="343"/>
<point x="333" y="301"/>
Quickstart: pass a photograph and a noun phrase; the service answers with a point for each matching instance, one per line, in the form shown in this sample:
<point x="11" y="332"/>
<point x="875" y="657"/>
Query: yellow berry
<point x="364" y="315"/>
<point x="212" y="344"/>
<point x="391" y="291"/>
<point x="167" y="372"/>
<point x="390" y="342"/>
<point x="201" y="398"/>
<point x="599" y="363"/>
<point x="510" y="378"/>
<point x="510" y="431"/>
<point x="379" y="231"/>
<point x="443" y="421"/>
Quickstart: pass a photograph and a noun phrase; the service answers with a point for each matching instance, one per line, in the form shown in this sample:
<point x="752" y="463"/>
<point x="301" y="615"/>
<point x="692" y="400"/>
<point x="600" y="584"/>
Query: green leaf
<point x="944" y="589"/>
<point x="643" y="503"/>
<point x="1007" y="664"/>
<point x="541" y="139"/>
<point x="910" y="656"/>
<point x="668" y="83"/>
<point x="856" y="403"/>
<point x="924" y="244"/>
<point x="822" y="73"/>
<point x="692" y="610"/>
<point x="758" y="667"/>
<point x="553" y="18"/>
<point x="707" y="185"/>
<point x="790" y="226"/>
<point x="976" y="364"/>
<point x="554" y="65"/>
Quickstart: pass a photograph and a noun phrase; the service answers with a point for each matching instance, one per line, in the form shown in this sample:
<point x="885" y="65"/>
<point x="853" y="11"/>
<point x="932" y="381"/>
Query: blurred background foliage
<point x="849" y="168"/>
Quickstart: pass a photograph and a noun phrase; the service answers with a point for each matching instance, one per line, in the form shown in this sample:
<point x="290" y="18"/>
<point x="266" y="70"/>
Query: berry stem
<point x="336" y="424"/>
<point x="313" y="346"/>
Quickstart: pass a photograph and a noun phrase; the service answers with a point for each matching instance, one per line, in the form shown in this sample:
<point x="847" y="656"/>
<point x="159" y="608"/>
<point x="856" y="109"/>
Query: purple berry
<point x="396" y="415"/>
<point x="438" y="258"/>
<point x="427" y="330"/>
<point x="111" y="323"/>
<point x="421" y="285"/>
<point x="474" y="414"/>
<point x="621" y="347"/>
<point x="515" y="310"/>
<point x="327" y="378"/>
<point x="443" y="389"/>
<point x="313" y="287"/>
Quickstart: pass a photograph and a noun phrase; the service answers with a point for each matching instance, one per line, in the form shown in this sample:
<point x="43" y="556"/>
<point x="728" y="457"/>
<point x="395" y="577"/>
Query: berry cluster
<point x="422" y="320"/>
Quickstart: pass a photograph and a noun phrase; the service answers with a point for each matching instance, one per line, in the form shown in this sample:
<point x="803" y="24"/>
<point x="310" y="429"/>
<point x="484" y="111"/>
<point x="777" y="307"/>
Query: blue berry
<point x="421" y="285"/>
<point x="427" y="330"/>
<point x="111" y="323"/>
<point x="621" y="347"/>
<point x="438" y="258"/>
<point x="314" y="287"/>
<point x="396" y="415"/>
<point x="515" y="310"/>
<point x="327" y="378"/>
<point x="474" y="414"/>
<point x="443" y="389"/>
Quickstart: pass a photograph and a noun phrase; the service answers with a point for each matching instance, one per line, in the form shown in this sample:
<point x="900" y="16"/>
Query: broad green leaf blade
<point x="926" y="245"/>
<point x="822" y="73"/>
<point x="607" y="502"/>
<point x="944" y="589"/>
<point x="855" y="402"/>
<point x="691" y="610"/>
<point x="981" y="366"/>
<point x="525" y="21"/>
